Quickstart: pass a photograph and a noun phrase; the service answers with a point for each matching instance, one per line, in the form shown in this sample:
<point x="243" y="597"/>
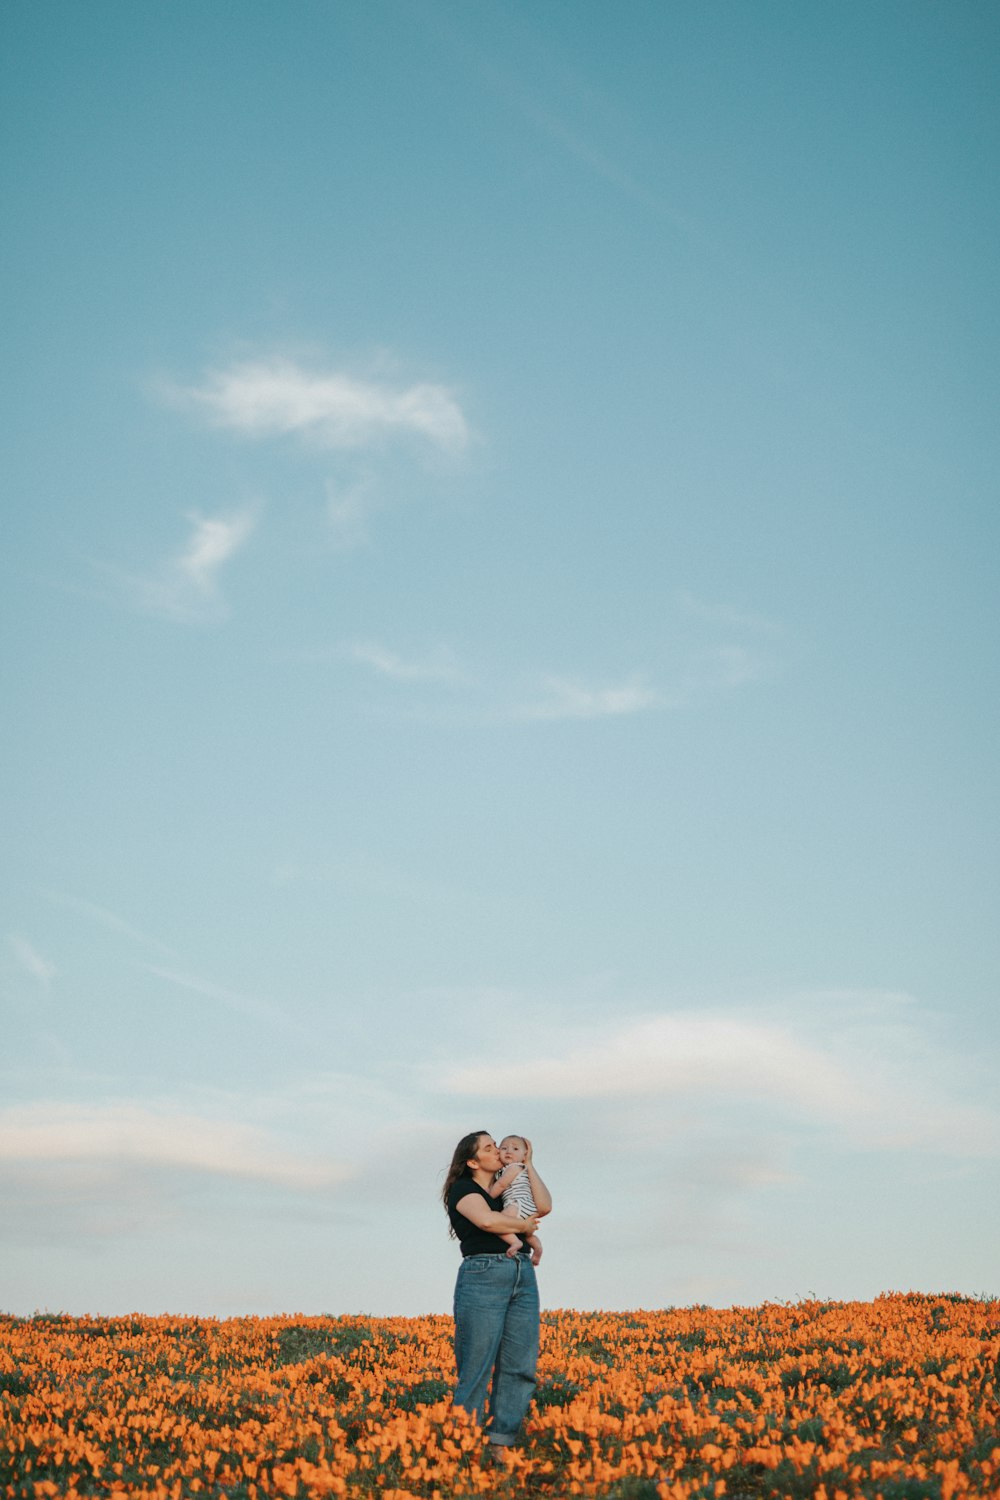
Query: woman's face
<point x="487" y="1157"/>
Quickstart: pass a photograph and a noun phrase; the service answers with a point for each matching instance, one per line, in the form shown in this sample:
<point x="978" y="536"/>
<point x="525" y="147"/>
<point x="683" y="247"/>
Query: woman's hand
<point x="527" y="1151"/>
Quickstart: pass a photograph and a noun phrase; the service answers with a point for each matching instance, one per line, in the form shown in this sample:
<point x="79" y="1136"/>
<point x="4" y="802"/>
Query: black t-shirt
<point x="473" y="1240"/>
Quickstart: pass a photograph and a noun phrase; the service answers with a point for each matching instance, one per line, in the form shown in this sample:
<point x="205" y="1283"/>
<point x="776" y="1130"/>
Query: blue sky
<point x="499" y="632"/>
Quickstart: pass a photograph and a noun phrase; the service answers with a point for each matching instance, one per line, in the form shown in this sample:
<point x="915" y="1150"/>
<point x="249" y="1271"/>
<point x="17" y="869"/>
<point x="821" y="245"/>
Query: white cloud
<point x="440" y="665"/>
<point x="186" y="586"/>
<point x="720" y="1178"/>
<point x="137" y="1133"/>
<point x="212" y="543"/>
<point x="672" y="1054"/>
<point x="572" y="699"/>
<point x="30" y="960"/>
<point x="276" y="398"/>
<point x="858" y="1068"/>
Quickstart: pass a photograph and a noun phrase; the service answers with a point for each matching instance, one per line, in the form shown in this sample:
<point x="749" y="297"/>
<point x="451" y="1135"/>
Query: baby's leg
<point x="513" y="1241"/>
<point x="535" y="1246"/>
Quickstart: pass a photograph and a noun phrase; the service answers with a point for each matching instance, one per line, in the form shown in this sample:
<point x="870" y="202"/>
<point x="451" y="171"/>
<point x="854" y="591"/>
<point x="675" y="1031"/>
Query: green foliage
<point x="695" y="1339"/>
<point x="423" y="1393"/>
<point x="556" y="1393"/>
<point x="298" y="1343"/>
<point x="836" y="1377"/>
<point x="909" y="1487"/>
<point x="596" y="1350"/>
<point x="633" y="1489"/>
<point x="811" y="1430"/>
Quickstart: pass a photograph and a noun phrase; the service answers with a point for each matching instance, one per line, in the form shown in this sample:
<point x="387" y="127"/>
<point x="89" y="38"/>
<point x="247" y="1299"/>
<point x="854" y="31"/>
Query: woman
<point x="496" y="1296"/>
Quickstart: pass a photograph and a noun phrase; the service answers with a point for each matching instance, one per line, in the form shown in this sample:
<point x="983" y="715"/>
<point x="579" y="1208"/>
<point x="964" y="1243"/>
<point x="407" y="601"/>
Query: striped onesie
<point x="517" y="1198"/>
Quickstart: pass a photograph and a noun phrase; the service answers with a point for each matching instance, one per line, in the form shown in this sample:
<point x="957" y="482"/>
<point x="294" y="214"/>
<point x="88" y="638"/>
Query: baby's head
<point x="512" y="1148"/>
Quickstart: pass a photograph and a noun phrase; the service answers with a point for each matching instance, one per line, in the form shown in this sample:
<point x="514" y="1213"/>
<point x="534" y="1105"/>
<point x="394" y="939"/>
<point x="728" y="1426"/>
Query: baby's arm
<point x="504" y="1180"/>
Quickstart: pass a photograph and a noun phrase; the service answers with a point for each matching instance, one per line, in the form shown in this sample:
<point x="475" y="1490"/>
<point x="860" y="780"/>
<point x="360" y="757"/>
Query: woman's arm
<point x="473" y="1208"/>
<point x="540" y="1193"/>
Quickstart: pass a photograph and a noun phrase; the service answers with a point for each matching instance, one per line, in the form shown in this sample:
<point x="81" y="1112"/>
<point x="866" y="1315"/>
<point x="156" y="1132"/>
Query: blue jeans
<point x="496" y="1334"/>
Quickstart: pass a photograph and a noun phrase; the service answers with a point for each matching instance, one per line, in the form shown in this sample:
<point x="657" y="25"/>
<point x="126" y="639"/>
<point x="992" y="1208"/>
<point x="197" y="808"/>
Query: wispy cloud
<point x="277" y="398"/>
<point x="106" y="918"/>
<point x="533" y="101"/>
<point x="186" y="587"/>
<point x="364" y="421"/>
<point x="571" y="698"/>
<point x="244" y="1005"/>
<point x="165" y="1137"/>
<point x="30" y="960"/>
<point x="727" y="616"/>
<point x="732" y="647"/>
<point x="699" y="673"/>
<point x="213" y="541"/>
<point x="701" y="667"/>
<point x="439" y="665"/>
<point x="729" y="666"/>
<point x="363" y="873"/>
<point x="350" y="508"/>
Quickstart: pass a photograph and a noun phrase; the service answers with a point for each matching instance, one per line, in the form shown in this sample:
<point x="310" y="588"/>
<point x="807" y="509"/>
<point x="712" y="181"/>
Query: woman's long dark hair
<point x="464" y="1152"/>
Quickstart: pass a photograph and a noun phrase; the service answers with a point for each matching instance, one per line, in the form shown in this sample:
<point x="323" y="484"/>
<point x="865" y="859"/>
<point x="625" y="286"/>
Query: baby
<point x="514" y="1185"/>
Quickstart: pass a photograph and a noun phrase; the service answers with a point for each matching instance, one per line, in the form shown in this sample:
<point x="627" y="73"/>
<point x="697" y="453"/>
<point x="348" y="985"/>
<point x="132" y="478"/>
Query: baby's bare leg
<point x="535" y="1246"/>
<point x="513" y="1241"/>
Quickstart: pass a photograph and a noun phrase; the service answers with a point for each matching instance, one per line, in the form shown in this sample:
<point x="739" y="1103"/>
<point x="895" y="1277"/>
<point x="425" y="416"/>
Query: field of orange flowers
<point x="895" y="1398"/>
